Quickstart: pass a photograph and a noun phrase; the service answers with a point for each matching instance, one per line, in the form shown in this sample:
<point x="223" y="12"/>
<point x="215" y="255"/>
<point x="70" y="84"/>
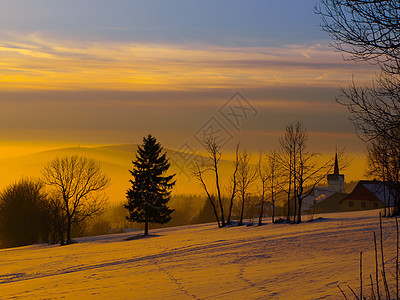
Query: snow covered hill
<point x="280" y="261"/>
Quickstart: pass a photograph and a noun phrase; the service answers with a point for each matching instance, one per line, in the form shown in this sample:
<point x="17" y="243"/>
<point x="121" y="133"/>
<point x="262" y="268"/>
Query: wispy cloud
<point x="38" y="62"/>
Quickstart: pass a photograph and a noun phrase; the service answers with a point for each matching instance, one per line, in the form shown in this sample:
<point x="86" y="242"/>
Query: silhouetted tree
<point x="299" y="166"/>
<point x="309" y="172"/>
<point x="234" y="184"/>
<point x="198" y="173"/>
<point x="247" y="175"/>
<point x="25" y="217"/>
<point x="214" y="151"/>
<point x="369" y="31"/>
<point x="79" y="182"/>
<point x="288" y="160"/>
<point x="58" y="219"/>
<point x="384" y="163"/>
<point x="216" y="200"/>
<point x="364" y="30"/>
<point x="150" y="191"/>
<point x="269" y="172"/>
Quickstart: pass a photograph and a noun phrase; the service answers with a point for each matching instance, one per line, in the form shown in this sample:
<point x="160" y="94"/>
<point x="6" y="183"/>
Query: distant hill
<point x="116" y="160"/>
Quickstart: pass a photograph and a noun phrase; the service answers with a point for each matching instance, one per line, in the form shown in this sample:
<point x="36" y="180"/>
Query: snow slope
<point x="279" y="261"/>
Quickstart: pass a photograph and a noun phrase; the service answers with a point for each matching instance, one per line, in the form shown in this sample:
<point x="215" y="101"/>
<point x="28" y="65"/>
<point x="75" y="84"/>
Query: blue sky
<point x="231" y="23"/>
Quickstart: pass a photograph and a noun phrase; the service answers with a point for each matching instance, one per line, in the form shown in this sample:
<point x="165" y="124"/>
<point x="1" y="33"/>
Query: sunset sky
<point x="109" y="72"/>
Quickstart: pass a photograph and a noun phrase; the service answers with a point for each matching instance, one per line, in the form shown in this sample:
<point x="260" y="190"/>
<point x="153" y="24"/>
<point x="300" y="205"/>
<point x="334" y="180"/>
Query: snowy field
<point x="280" y="261"/>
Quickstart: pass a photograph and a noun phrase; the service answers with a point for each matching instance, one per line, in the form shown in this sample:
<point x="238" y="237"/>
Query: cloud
<point x="36" y="61"/>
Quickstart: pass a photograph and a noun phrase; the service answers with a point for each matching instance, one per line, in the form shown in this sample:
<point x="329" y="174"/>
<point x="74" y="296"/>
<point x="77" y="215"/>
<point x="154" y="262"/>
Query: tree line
<point x="70" y="191"/>
<point x="292" y="170"/>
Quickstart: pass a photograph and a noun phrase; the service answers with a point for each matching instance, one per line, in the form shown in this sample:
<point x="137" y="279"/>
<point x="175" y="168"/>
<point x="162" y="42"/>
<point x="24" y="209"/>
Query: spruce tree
<point x="150" y="191"/>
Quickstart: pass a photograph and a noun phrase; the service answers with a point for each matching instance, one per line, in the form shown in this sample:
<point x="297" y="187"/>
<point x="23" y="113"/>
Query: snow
<point x="274" y="261"/>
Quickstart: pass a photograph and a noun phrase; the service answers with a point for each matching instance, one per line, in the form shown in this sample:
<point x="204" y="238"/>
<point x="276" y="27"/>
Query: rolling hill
<point x="114" y="160"/>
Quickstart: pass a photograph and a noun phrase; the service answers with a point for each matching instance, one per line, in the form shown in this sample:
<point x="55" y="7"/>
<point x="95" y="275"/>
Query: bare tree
<point x="214" y="151"/>
<point x="234" y="183"/>
<point x="247" y="175"/>
<point x="288" y="159"/>
<point x="269" y="174"/>
<point x="58" y="219"/>
<point x="369" y="31"/>
<point x="212" y="166"/>
<point x="384" y="164"/>
<point x="374" y="111"/>
<point x="300" y="167"/>
<point x="365" y="30"/>
<point x="309" y="173"/>
<point x="79" y="181"/>
<point x="263" y="175"/>
<point x="198" y="173"/>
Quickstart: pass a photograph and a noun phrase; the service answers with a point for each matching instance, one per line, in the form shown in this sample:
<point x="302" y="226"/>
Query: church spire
<point x="336" y="170"/>
<point x="336" y="180"/>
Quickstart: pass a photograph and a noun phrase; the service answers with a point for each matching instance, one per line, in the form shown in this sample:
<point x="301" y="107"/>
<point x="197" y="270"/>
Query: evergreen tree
<point x="150" y="192"/>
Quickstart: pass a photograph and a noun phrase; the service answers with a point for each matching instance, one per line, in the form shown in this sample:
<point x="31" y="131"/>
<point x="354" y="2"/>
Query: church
<point x="368" y="194"/>
<point x="326" y="199"/>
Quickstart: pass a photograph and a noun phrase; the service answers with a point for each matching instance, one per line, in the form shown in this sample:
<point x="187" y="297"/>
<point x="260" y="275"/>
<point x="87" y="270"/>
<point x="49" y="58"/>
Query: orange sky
<point x="35" y="62"/>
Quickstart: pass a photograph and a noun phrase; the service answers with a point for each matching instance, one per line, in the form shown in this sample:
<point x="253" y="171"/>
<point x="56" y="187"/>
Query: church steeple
<point x="336" y="180"/>
<point x="336" y="170"/>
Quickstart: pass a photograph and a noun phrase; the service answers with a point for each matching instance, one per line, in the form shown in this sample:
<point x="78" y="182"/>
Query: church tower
<point x="336" y="180"/>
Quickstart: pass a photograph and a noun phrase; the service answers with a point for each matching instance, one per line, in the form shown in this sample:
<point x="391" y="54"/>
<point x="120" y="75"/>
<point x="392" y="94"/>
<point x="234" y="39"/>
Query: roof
<point x="331" y="203"/>
<point x="336" y="175"/>
<point x="372" y="190"/>
<point x="335" y="198"/>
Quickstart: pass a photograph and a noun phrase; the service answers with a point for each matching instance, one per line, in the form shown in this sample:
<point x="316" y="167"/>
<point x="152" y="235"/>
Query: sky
<point x="110" y="72"/>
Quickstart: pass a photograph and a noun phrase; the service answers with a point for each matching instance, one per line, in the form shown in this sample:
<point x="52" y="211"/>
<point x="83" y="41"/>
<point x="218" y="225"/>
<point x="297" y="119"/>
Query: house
<point x="330" y="204"/>
<point x="368" y="194"/>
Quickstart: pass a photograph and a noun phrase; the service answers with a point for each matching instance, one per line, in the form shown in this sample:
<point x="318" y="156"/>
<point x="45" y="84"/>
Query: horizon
<point x="116" y="163"/>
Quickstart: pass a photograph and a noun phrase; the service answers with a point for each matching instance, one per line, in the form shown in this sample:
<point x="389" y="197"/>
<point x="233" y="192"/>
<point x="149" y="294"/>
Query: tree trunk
<point x="215" y="212"/>
<point x="62" y="241"/>
<point x="219" y="195"/>
<point x="69" y="224"/>
<point x="295" y="193"/>
<point x="61" y="236"/>
<point x="146" y="228"/>
<point x="228" y="221"/>
<point x="273" y="211"/>
<point x="299" y="212"/>
<point x="241" y="214"/>
<point x="273" y="207"/>
<point x="288" y="206"/>
<point x="261" y="212"/>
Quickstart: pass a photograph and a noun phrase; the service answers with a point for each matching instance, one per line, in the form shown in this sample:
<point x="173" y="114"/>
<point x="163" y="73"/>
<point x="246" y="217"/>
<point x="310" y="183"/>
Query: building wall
<point x="353" y="204"/>
<point x="336" y="185"/>
<point x="330" y="204"/>
<point x="318" y="194"/>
